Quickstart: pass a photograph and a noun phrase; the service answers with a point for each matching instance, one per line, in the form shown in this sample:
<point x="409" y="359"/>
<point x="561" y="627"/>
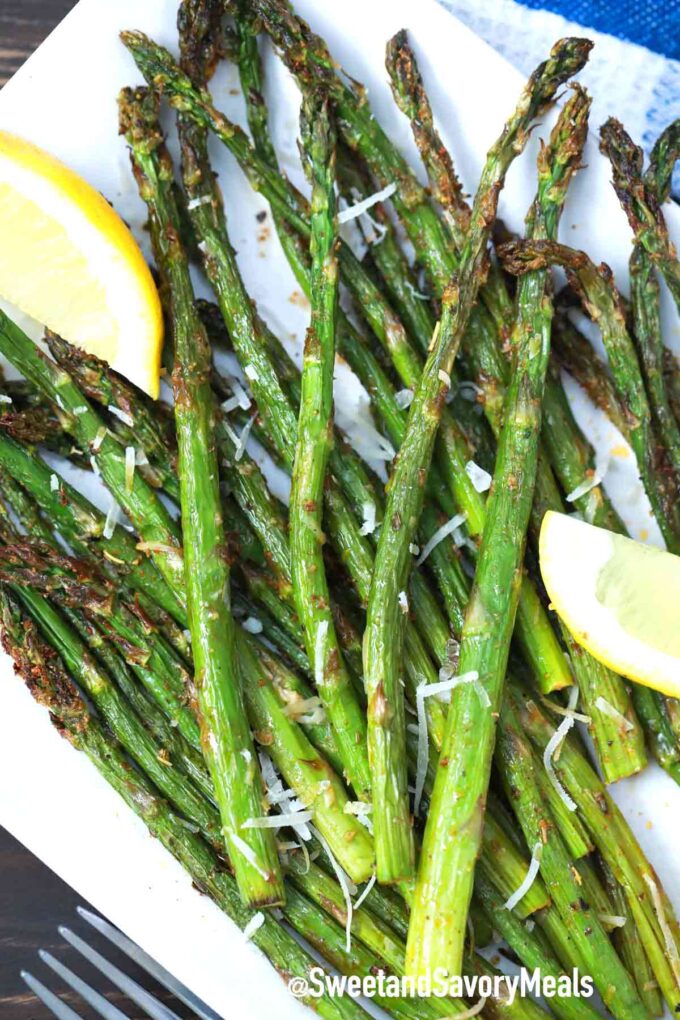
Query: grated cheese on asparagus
<point x="368" y="526"/>
<point x="439" y="536"/>
<point x="550" y="748"/>
<point x="257" y="920"/>
<point x="608" y="709"/>
<point x="252" y="625"/>
<point x="130" y="461"/>
<point x="480" y="478"/>
<point x="403" y="399"/>
<point x="424" y="691"/>
<point x="319" y="653"/>
<point x="344" y="885"/>
<point x="528" y="880"/>
<point x="351" y="213"/>
<point x="121" y="415"/>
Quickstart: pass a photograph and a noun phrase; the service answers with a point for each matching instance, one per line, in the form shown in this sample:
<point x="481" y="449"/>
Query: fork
<point x="134" y="991"/>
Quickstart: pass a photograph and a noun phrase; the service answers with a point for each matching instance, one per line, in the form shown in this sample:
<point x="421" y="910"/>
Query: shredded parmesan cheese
<point x="439" y="536"/>
<point x="245" y="851"/>
<point x="99" y="438"/>
<point x="528" y="879"/>
<point x="550" y="748"/>
<point x="424" y="691"/>
<point x="480" y="478"/>
<point x="121" y="415"/>
<point x="569" y="712"/>
<point x="445" y="378"/>
<point x="257" y="920"/>
<point x="130" y="461"/>
<point x="4" y="399"/>
<point x="608" y="709"/>
<point x="368" y="526"/>
<point x="344" y="885"/>
<point x="277" y="821"/>
<point x="403" y="601"/>
<point x="54" y="483"/>
<point x="80" y="410"/>
<point x="366" y="890"/>
<point x="473" y="1010"/>
<point x="319" y="653"/>
<point x="252" y="625"/>
<point x="194" y="203"/>
<point x="668" y="938"/>
<point x="613" y="920"/>
<point x="111" y="520"/>
<point x="345" y="215"/>
<point x="403" y="399"/>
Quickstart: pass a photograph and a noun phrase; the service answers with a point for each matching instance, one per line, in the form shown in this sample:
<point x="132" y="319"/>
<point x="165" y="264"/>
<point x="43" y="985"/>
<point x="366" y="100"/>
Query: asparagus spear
<point x="662" y="160"/>
<point x="451" y="839"/>
<point x="590" y="941"/>
<point x="647" y="319"/>
<point x="148" y="516"/>
<point x="601" y="300"/>
<point x="640" y="203"/>
<point x="225" y="734"/>
<point x="52" y="687"/>
<point x="578" y="357"/>
<point x="643" y="209"/>
<point x="405" y="498"/>
<point x="647" y="902"/>
<point x="344" y="711"/>
<point x="314" y="440"/>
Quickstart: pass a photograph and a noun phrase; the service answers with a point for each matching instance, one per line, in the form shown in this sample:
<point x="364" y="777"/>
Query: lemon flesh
<point x="620" y="599"/>
<point x="70" y="262"/>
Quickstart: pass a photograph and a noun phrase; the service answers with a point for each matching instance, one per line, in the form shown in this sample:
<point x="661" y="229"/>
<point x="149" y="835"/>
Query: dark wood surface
<point x="33" y="901"/>
<point x="23" y="26"/>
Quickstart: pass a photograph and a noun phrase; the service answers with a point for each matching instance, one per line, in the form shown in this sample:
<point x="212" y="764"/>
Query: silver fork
<point x="134" y="991"/>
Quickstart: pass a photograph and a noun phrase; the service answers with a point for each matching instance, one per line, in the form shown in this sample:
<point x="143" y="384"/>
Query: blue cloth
<point x="651" y="23"/>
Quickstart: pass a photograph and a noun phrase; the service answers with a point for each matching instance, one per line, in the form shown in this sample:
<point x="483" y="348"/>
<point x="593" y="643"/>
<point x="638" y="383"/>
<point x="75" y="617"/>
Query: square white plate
<point x="64" y="98"/>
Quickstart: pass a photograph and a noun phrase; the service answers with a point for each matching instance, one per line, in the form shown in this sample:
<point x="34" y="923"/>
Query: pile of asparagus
<point x="365" y="687"/>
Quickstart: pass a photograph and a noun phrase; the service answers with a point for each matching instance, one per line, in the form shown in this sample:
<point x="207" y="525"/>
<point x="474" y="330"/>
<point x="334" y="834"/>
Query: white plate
<point x="64" y="98"/>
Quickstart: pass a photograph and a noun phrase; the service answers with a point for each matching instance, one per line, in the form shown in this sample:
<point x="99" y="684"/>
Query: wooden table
<point x="33" y="901"/>
<point x="23" y="26"/>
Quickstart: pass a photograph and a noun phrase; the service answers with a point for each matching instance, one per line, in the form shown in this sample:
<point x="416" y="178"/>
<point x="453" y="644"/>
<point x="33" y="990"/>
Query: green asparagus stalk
<point x="451" y="839"/>
<point x="631" y="950"/>
<point x="133" y="417"/>
<point x="314" y="438"/>
<point x="344" y="711"/>
<point x="52" y="687"/>
<point x="641" y="204"/>
<point x="601" y="300"/>
<point x="598" y="958"/>
<point x="646" y="219"/>
<point x="147" y="514"/>
<point x="662" y="160"/>
<point x="578" y="357"/>
<point x="647" y="902"/>
<point x="405" y="497"/>
<point x="645" y="299"/>
<point x="225" y="734"/>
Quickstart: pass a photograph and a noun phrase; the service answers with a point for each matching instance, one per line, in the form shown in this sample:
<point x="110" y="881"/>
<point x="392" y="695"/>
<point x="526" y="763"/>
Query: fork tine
<point x="101" y="1005"/>
<point x="49" y="999"/>
<point x="155" y="1009"/>
<point x="163" y="976"/>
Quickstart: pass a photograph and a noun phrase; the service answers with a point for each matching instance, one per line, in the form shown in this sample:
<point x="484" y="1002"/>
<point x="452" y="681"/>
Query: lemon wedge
<point x="619" y="598"/>
<point x="69" y="261"/>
